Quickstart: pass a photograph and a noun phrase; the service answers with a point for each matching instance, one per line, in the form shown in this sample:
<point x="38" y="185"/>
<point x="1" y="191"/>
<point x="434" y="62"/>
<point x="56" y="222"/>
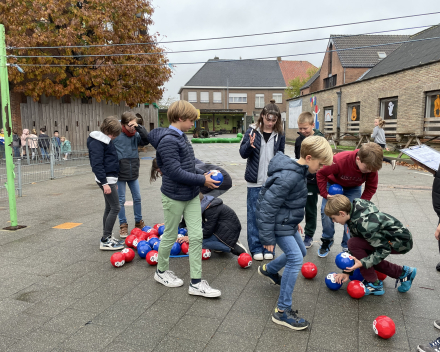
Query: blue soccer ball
<point x="343" y="261"/>
<point x="175" y="249"/>
<point x="143" y="248"/>
<point x="156" y="245"/>
<point x="335" y="189"/>
<point x="161" y="229"/>
<point x="217" y="176"/>
<point x="152" y="241"/>
<point x="146" y="228"/>
<point x="356" y="275"/>
<point x="331" y="282"/>
<point x="182" y="232"/>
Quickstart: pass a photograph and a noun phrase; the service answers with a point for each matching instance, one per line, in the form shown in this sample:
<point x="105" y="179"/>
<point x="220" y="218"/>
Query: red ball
<point x="142" y="236"/>
<point x="184" y="247"/>
<point x="151" y="257"/>
<point x="244" y="260"/>
<point x="206" y="254"/>
<point x="384" y="326"/>
<point x="150" y="237"/>
<point x="129" y="240"/>
<point x="381" y="276"/>
<point x="309" y="270"/>
<point x="117" y="259"/>
<point x="129" y="254"/>
<point x="136" y="231"/>
<point x="153" y="232"/>
<point x="156" y="227"/>
<point x="356" y="289"/>
<point x="135" y="242"/>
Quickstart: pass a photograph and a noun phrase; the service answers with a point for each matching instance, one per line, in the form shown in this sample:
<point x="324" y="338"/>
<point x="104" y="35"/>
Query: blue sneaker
<point x="273" y="278"/>
<point x="406" y="279"/>
<point x="372" y="289"/>
<point x="308" y="241"/>
<point x="434" y="346"/>
<point x="324" y="250"/>
<point x="290" y="319"/>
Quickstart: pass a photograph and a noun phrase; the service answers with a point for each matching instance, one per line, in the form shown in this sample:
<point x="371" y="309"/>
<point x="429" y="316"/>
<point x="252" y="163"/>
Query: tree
<point x="49" y="23"/>
<point x="293" y="89"/>
<point x="165" y="103"/>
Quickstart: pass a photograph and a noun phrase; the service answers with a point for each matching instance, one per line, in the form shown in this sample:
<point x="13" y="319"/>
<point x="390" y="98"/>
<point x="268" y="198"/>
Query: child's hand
<point x="183" y="239"/>
<point x="107" y="189"/>
<point x="252" y="138"/>
<point x="437" y="233"/>
<point x="357" y="264"/>
<point x="270" y="248"/>
<point x="132" y="124"/>
<point x="300" y="229"/>
<point x="209" y="182"/>
<point x="329" y="196"/>
<point x="341" y="278"/>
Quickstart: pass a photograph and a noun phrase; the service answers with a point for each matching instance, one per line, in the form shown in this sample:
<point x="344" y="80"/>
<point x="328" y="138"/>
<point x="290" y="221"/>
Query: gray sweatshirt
<point x="379" y="135"/>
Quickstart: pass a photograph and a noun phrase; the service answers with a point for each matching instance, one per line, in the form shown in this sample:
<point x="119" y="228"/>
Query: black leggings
<point x="384" y="159"/>
<point x="111" y="211"/>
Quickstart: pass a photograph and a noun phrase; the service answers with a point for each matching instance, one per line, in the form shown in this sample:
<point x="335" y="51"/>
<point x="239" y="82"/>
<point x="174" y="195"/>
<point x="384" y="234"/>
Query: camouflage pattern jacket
<point x="382" y="231"/>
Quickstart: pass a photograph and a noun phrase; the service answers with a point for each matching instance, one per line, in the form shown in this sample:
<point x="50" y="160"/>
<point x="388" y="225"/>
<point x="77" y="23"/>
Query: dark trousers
<point x="111" y="211"/>
<point x="311" y="209"/>
<point x="385" y="159"/>
<point x="360" y="248"/>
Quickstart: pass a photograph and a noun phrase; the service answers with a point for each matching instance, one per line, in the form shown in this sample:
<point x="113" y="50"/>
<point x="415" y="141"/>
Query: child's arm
<point x="96" y="153"/>
<point x="322" y="178"/>
<point x="370" y="186"/>
<point x="211" y="216"/>
<point x="246" y="148"/>
<point x="283" y="144"/>
<point x="143" y="135"/>
<point x="375" y="131"/>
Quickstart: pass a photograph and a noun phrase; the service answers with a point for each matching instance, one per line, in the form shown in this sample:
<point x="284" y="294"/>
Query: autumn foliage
<point x="49" y="23"/>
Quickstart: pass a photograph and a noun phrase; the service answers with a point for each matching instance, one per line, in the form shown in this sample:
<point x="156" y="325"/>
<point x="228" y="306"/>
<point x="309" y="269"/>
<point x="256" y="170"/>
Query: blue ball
<point x="335" y="189"/>
<point x="146" y="228"/>
<point x="175" y="249"/>
<point x="217" y="176"/>
<point x="156" y="244"/>
<point x="343" y="261"/>
<point x="356" y="275"/>
<point x="331" y="283"/>
<point x="152" y="241"/>
<point x="143" y="249"/>
<point x="161" y="229"/>
<point x="182" y="232"/>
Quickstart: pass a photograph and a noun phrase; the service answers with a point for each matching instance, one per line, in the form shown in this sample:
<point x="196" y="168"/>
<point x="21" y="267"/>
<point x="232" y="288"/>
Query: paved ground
<point x="58" y="292"/>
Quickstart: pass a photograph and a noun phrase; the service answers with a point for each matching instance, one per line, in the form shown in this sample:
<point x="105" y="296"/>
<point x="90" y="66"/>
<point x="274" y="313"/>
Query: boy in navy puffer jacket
<point x="280" y="209"/>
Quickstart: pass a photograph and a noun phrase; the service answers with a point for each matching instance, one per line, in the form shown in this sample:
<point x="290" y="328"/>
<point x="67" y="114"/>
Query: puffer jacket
<point x="281" y="202"/>
<point x="253" y="154"/>
<point x="181" y="179"/>
<point x="103" y="156"/>
<point x="436" y="193"/>
<point x="24" y="135"/>
<point x="311" y="178"/>
<point x="65" y="147"/>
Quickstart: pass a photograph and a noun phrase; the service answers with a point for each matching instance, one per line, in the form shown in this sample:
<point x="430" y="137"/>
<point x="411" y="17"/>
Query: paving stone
<point x="69" y="321"/>
<point x="119" y="314"/>
<point x="20" y="325"/>
<point x="180" y="345"/>
<point x="231" y="343"/>
<point x="367" y="337"/>
<point x="339" y="335"/>
<point x="242" y="324"/>
<point x="199" y="328"/>
<point x="6" y="343"/>
<point x="38" y="340"/>
<point x="285" y="340"/>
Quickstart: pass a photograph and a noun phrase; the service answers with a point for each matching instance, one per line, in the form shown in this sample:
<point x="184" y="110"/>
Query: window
<point x="259" y="101"/>
<point x="204" y="97"/>
<point x="192" y="97"/>
<point x="238" y="98"/>
<point x="86" y="100"/>
<point x="217" y="97"/>
<point x="354" y="112"/>
<point x="382" y="55"/>
<point x="65" y="99"/>
<point x="278" y="97"/>
<point x="388" y="108"/>
<point x="433" y="104"/>
<point x="330" y="82"/>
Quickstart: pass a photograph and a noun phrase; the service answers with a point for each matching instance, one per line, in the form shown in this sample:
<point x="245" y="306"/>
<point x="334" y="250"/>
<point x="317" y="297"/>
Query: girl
<point x="32" y="141"/>
<point x="65" y="147"/>
<point x="260" y="143"/>
<point x="24" y="135"/>
<point x="379" y="138"/>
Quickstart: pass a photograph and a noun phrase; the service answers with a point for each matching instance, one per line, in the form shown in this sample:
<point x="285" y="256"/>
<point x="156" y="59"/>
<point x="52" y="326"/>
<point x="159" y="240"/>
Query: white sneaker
<point x="393" y="163"/>
<point x="167" y="278"/>
<point x="258" y="256"/>
<point x="268" y="256"/>
<point x="203" y="289"/>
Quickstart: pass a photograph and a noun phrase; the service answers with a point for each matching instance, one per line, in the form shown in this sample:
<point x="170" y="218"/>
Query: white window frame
<point x="215" y="97"/>
<point x="383" y="106"/>
<point x="278" y="97"/>
<point x="259" y="101"/>
<point x="237" y="98"/>
<point x="204" y="97"/>
<point x="429" y="96"/>
<point x="191" y="98"/>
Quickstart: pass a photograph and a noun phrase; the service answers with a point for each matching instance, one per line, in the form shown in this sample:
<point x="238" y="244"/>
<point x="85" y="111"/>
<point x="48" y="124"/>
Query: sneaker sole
<point x="311" y="245"/>
<point x="287" y="325"/>
<point x="376" y="293"/>
<point x="267" y="277"/>
<point x="437" y="326"/>
<point x="323" y="255"/>
<point x="167" y="284"/>
<point x="413" y="275"/>
<point x="207" y="295"/>
<point x="111" y="249"/>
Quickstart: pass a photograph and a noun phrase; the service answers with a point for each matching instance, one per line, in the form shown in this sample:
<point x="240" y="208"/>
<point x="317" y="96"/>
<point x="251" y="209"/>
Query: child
<point x="56" y="143"/>
<point x="43" y="143"/>
<point x="24" y="142"/>
<point x="306" y="124"/>
<point x="126" y="144"/>
<point x="280" y="209"/>
<point x="181" y="182"/>
<point x="379" y="138"/>
<point x="221" y="227"/>
<point x="65" y="147"/>
<point x="259" y="145"/>
<point x="33" y="143"/>
<point x="105" y="166"/>
<point x="350" y="169"/>
<point x="16" y="144"/>
<point x="375" y="235"/>
<point x="434" y="346"/>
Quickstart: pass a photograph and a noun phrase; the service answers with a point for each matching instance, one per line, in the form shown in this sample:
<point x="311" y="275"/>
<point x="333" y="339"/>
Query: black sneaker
<point x="238" y="249"/>
<point x="324" y="250"/>
<point x="434" y="346"/>
<point x="274" y="278"/>
<point x="110" y="245"/>
<point x="290" y="319"/>
<point x="438" y="267"/>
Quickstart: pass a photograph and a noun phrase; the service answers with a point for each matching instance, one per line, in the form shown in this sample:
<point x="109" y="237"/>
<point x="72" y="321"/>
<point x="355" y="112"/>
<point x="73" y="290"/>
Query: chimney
<point x="279" y="58"/>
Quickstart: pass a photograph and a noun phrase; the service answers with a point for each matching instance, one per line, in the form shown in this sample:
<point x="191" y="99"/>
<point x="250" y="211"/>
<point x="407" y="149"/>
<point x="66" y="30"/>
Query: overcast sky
<point x="193" y="19"/>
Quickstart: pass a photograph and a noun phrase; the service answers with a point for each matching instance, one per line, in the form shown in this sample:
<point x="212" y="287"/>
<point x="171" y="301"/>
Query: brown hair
<point x="381" y="121"/>
<point x="337" y="203"/>
<point x="183" y="110"/>
<point x="318" y="148"/>
<point x="371" y="154"/>
<point x="111" y="126"/>
<point x="155" y="171"/>
<point x="140" y="119"/>
<point x="271" y="109"/>
<point x="306" y="117"/>
<point x="34" y="131"/>
<point x="128" y="116"/>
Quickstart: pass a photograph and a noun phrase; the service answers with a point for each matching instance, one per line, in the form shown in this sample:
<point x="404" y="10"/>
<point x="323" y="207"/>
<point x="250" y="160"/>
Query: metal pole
<point x="20" y="183"/>
<point x="7" y="127"/>
<point x="52" y="162"/>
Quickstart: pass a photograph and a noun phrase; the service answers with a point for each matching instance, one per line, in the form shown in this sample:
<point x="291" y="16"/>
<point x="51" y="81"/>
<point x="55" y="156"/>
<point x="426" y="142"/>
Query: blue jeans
<point x="16" y="152"/>
<point x="136" y="194"/>
<point x="328" y="227"/>
<point x="214" y="244"/>
<point x="291" y="260"/>
<point x="253" y="236"/>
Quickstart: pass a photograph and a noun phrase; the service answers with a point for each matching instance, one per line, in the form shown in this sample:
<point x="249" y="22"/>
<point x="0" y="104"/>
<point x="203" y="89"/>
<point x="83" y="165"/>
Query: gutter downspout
<point x="338" y="126"/>
<point x="227" y="92"/>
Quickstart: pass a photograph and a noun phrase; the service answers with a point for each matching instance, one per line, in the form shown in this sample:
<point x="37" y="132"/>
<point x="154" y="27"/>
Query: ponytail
<point x="381" y="121"/>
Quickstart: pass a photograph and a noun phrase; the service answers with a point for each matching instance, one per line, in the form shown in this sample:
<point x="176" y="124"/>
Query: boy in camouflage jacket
<point x="375" y="235"/>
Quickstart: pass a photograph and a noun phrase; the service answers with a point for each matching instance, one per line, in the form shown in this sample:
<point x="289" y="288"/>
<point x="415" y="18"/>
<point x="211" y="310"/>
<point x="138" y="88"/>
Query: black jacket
<point x="436" y="193"/>
<point x="43" y="141"/>
<point x="311" y="178"/>
<point x="103" y="156"/>
<point x="227" y="180"/>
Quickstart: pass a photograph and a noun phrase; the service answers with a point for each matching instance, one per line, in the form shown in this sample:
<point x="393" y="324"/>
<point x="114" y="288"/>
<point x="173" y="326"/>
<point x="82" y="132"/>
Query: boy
<point x="56" y="143"/>
<point x="375" y="236"/>
<point x="180" y="196"/>
<point x="280" y="209"/>
<point x="306" y="128"/>
<point x="43" y="143"/>
<point x="350" y="169"/>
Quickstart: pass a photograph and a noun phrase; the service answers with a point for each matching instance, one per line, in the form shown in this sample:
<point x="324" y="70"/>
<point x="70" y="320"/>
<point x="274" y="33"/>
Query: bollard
<point x="52" y="163"/>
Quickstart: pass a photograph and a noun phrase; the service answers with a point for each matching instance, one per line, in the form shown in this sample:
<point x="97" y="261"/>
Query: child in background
<point x="16" y="144"/>
<point x="24" y="136"/>
<point x="375" y="235"/>
<point x="44" y="144"/>
<point x="350" y="169"/>
<point x="280" y="209"/>
<point x="65" y="147"/>
<point x="306" y="124"/>
<point x="379" y="138"/>
<point x="105" y="166"/>
<point x="33" y="143"/>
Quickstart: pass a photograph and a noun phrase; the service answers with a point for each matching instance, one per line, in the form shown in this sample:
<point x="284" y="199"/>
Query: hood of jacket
<point x="361" y="207"/>
<point x="156" y="135"/>
<point x="98" y="135"/>
<point x="205" y="202"/>
<point x="281" y="162"/>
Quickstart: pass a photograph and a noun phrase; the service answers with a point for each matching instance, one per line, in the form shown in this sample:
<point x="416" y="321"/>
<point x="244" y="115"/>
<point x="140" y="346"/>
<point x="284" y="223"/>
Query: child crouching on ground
<point x="375" y="235"/>
<point x="280" y="209"/>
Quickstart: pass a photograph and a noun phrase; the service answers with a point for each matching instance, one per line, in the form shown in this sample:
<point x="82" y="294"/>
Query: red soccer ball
<point x="381" y="276"/>
<point x="156" y="227"/>
<point x="136" y="231"/>
<point x="309" y="270"/>
<point x="135" y="242"/>
<point x="153" y="232"/>
<point x="356" y="289"/>
<point x="384" y="326"/>
<point x="244" y="260"/>
<point x="129" y="240"/>
<point x="206" y="254"/>
<point x="151" y="257"/>
<point x="142" y="236"/>
<point x="129" y="254"/>
<point x="184" y="247"/>
<point x="117" y="259"/>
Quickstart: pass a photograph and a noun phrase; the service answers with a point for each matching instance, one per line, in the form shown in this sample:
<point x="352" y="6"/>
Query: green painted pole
<point x="7" y="128"/>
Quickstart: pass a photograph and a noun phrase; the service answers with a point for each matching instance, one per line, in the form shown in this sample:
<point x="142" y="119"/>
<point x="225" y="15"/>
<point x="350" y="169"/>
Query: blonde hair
<point x="381" y="121"/>
<point x="34" y="131"/>
<point x="371" y="154"/>
<point x="337" y="203"/>
<point x="62" y="137"/>
<point x="306" y="117"/>
<point x="318" y="148"/>
<point x="183" y="110"/>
